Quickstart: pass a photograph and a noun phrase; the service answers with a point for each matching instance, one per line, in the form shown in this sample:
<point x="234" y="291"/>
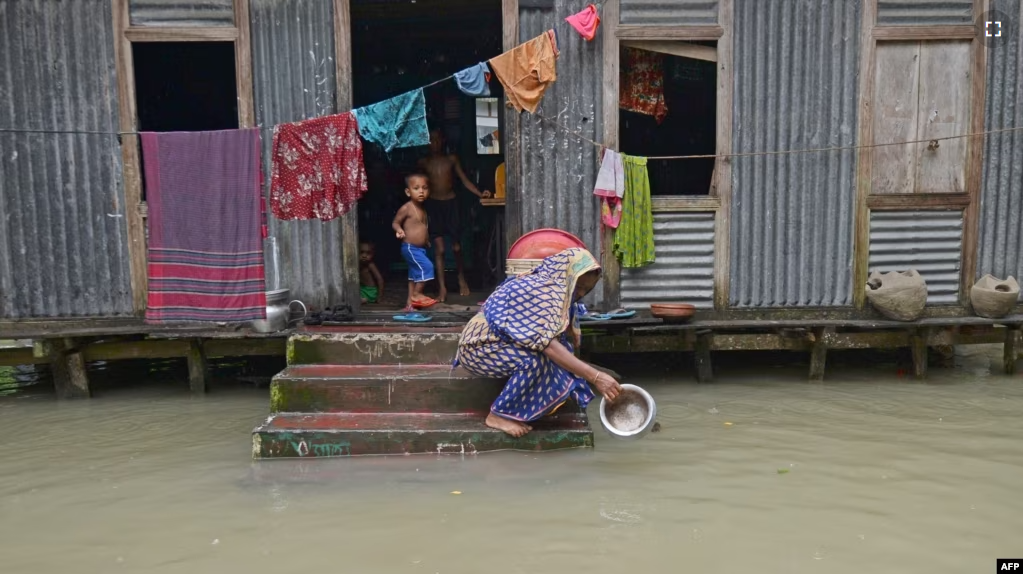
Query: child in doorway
<point x="411" y="226"/>
<point x="443" y="208"/>
<point x="371" y="282"/>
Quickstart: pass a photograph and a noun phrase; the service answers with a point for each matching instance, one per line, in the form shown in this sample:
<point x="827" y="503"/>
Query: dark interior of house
<point x="404" y="46"/>
<point x="690" y="93"/>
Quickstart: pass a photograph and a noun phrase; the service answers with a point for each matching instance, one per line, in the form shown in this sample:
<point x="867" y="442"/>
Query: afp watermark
<point x="995" y="29"/>
<point x="1010" y="565"/>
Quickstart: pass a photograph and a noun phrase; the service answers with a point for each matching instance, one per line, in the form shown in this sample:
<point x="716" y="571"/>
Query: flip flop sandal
<point x="594" y="317"/>
<point x="429" y="303"/>
<point x="620" y="314"/>
<point x="413" y="317"/>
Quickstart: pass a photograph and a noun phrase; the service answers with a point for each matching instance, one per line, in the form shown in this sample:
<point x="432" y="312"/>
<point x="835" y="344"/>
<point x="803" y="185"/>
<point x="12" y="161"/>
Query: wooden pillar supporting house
<point x="67" y="367"/>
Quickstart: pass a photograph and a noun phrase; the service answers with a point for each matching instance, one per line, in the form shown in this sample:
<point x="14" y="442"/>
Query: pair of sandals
<point x="616" y="314"/>
<point x="338" y="314"/>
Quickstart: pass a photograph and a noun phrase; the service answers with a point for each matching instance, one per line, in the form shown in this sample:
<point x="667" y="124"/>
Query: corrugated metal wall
<point x="294" y="79"/>
<point x="558" y="169"/>
<point x="668" y="12"/>
<point x="924" y="12"/>
<point x="684" y="270"/>
<point x="796" y="87"/>
<point x="63" y="236"/>
<point x="1000" y="249"/>
<point x="181" y="13"/>
<point x="929" y="241"/>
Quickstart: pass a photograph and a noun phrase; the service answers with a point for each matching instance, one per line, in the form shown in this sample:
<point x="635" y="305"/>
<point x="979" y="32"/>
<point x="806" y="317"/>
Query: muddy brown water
<point x="759" y="472"/>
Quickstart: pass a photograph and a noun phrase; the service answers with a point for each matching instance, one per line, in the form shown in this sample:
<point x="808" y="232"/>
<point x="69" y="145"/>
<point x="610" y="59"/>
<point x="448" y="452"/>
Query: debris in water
<point x="216" y="541"/>
<point x="728" y="424"/>
<point x="713" y="411"/>
<point x="456" y="492"/>
<point x="783" y="471"/>
<point x="657" y="427"/>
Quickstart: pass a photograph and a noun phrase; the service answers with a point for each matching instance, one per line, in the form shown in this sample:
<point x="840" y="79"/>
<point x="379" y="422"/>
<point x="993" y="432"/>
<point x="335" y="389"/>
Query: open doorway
<point x="688" y="124"/>
<point x="403" y="46"/>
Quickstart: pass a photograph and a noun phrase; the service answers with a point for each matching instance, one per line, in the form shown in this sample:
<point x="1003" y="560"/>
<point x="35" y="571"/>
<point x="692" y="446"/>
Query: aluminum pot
<point x="278" y="312"/>
<point x="631" y="415"/>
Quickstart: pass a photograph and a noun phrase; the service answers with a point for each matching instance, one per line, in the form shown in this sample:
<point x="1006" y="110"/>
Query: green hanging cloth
<point x="634" y="238"/>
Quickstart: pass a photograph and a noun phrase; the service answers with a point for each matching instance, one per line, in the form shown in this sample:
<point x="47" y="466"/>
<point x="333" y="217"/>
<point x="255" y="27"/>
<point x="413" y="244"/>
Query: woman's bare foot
<point x="514" y="428"/>
<point x="463" y="287"/>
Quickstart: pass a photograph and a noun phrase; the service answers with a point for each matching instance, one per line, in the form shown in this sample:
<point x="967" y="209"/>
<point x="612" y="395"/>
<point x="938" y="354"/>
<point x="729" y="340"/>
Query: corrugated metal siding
<point x="558" y="170"/>
<point x="684" y="270"/>
<point x="1000" y="249"/>
<point x="924" y="12"/>
<point x="796" y="87"/>
<point x="668" y="12"/>
<point x="63" y="236"/>
<point x="181" y="12"/>
<point x="294" y="79"/>
<point x="929" y="241"/>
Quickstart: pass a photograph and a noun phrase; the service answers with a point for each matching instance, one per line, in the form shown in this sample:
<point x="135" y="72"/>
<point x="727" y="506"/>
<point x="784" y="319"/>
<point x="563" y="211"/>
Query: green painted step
<point x="373" y="346"/>
<point x="307" y="435"/>
<point x="381" y="389"/>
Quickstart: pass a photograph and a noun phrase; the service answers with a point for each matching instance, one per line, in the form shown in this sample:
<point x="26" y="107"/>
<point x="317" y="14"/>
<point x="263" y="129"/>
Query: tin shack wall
<point x="1000" y="246"/>
<point x="294" y="79"/>
<point x="178" y="13"/>
<point x="669" y="12"/>
<point x="63" y="236"/>
<point x="558" y="168"/>
<point x="924" y="12"/>
<point x="796" y="86"/>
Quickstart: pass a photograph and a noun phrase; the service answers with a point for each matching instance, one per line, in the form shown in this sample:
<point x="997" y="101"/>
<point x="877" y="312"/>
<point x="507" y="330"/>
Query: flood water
<point x="759" y="472"/>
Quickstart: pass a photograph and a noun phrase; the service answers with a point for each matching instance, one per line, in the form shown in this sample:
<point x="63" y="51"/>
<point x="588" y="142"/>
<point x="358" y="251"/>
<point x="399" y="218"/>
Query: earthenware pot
<point x="993" y="298"/>
<point x="278" y="312"/>
<point x="899" y="295"/>
<point x="631" y="415"/>
<point x="673" y="312"/>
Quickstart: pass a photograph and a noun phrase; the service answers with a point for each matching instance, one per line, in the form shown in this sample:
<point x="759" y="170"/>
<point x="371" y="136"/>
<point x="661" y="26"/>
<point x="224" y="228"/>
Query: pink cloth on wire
<point x="585" y="22"/>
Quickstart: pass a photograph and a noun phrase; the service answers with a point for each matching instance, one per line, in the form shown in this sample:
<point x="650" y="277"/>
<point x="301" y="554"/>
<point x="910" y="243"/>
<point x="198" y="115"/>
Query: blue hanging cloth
<point x="474" y="81"/>
<point x="397" y="122"/>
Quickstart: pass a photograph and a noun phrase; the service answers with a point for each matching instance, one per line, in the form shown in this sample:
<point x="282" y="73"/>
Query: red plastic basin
<point x="543" y="243"/>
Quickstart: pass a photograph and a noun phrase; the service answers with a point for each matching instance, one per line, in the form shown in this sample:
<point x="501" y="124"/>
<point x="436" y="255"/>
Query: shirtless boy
<point x="371" y="282"/>
<point x="443" y="208"/>
<point x="410" y="225"/>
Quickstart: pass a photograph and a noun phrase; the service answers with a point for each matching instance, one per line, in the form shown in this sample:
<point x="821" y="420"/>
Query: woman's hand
<point x="607" y="386"/>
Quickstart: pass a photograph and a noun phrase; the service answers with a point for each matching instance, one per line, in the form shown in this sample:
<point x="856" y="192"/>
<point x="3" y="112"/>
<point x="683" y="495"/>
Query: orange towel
<point x="526" y="70"/>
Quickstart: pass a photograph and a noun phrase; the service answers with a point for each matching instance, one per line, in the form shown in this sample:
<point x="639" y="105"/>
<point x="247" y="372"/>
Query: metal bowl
<point x="631" y="415"/>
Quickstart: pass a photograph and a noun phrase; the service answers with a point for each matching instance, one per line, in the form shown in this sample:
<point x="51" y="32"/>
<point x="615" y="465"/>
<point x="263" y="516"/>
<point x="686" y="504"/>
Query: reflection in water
<point x="884" y="475"/>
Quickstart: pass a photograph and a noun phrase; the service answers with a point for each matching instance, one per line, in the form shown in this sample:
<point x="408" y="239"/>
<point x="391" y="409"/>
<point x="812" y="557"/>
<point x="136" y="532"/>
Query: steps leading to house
<point x="357" y="391"/>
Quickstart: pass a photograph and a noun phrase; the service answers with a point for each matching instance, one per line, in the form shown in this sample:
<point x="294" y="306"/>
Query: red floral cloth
<point x="317" y="168"/>
<point x="642" y="89"/>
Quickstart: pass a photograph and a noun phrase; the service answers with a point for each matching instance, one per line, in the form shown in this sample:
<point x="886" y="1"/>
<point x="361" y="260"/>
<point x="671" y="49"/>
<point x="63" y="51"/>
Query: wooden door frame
<point x="721" y="187"/>
<point x="969" y="202"/>
<point x="124" y="35"/>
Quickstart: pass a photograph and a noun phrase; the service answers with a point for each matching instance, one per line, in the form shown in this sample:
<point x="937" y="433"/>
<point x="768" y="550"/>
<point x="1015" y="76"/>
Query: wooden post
<point x="918" y="343"/>
<point x="1010" y="351"/>
<point x="819" y="353"/>
<point x="67" y="367"/>
<point x="511" y="135"/>
<point x="704" y="369"/>
<point x="349" y="228"/>
<point x="197" y="366"/>
<point x="609" y="100"/>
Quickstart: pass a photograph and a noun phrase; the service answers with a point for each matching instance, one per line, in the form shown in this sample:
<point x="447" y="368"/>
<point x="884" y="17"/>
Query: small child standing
<point x="411" y="226"/>
<point x="371" y="282"/>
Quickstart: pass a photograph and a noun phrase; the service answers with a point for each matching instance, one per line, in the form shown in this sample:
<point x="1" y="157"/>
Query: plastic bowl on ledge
<point x="543" y="243"/>
<point x="631" y="415"/>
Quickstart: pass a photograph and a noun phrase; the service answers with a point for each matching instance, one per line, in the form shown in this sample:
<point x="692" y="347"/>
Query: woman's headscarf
<point x="533" y="309"/>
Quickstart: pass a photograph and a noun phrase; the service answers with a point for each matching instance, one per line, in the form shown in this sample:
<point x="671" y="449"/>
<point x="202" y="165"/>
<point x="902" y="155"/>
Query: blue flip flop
<point x="620" y="314"/>
<point x="594" y="317"/>
<point x="413" y="317"/>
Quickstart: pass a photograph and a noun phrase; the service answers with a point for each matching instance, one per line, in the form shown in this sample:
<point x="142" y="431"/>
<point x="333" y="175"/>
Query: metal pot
<point x="278" y="312"/>
<point x="631" y="415"/>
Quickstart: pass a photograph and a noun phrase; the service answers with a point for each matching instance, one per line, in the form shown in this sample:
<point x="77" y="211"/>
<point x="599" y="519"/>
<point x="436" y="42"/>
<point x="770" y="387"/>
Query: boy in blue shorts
<point x="411" y="226"/>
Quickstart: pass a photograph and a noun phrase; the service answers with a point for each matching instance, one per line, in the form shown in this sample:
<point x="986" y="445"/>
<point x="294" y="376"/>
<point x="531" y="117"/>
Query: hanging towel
<point x="205" y="250"/>
<point x="642" y="89"/>
<point x="526" y="70"/>
<point x="474" y="81"/>
<point x="317" y="168"/>
<point x="634" y="238"/>
<point x="397" y="122"/>
<point x="585" y="22"/>
<point x="610" y="187"/>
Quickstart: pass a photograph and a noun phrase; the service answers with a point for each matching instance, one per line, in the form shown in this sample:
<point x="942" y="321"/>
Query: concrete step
<point x="309" y="435"/>
<point x="381" y="389"/>
<point x="365" y="345"/>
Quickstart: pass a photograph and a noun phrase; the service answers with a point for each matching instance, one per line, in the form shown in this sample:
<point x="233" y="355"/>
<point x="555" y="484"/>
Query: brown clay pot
<point x="899" y="295"/>
<point x="993" y="298"/>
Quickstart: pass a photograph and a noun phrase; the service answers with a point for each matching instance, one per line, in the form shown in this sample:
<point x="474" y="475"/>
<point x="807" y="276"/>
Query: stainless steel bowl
<point x="631" y="415"/>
